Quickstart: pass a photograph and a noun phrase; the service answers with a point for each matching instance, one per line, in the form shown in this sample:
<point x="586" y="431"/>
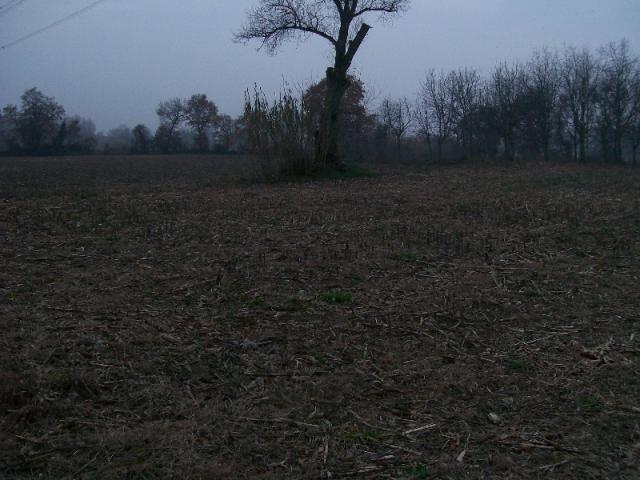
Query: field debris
<point x="455" y="323"/>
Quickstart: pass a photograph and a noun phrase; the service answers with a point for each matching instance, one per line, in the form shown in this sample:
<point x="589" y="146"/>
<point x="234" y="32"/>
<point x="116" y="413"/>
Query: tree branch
<point x="381" y="6"/>
<point x="354" y="44"/>
<point x="273" y="20"/>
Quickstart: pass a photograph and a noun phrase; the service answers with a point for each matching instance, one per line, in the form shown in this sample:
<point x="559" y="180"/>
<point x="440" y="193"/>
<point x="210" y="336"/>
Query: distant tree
<point x="171" y="114"/>
<point x="340" y="22"/>
<point x="38" y="121"/>
<point x="580" y="73"/>
<point x="226" y="130"/>
<point x="542" y="95"/>
<point x="116" y="140"/>
<point x="9" y="140"/>
<point x="424" y="121"/>
<point x="634" y="140"/>
<point x="634" y="128"/>
<point x="397" y="117"/>
<point x="465" y="85"/>
<point x="435" y="104"/>
<point x="487" y="130"/>
<point x="505" y="94"/>
<point x="167" y="141"/>
<point x="76" y="135"/>
<point x="141" y="139"/>
<point x="3" y="134"/>
<point x="201" y="115"/>
<point x="617" y="103"/>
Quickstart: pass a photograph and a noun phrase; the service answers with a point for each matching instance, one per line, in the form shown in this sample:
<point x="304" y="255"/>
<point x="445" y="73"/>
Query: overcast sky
<point x="115" y="62"/>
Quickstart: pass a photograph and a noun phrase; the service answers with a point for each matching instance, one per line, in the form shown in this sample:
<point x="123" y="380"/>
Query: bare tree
<point x="542" y="89"/>
<point x="171" y="115"/>
<point x="397" y="117"/>
<point x="423" y="119"/>
<point x="505" y="90"/>
<point x="465" y="85"/>
<point x="341" y="23"/>
<point x="616" y="99"/>
<point x="225" y="133"/>
<point x="201" y="115"/>
<point x="579" y="75"/>
<point x="435" y="105"/>
<point x="634" y="127"/>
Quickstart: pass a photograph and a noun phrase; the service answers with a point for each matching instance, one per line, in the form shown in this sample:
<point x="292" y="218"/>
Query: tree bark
<point x="327" y="154"/>
<point x="583" y="148"/>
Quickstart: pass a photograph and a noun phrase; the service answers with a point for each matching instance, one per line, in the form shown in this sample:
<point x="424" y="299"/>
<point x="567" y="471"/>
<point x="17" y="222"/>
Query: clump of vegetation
<point x="418" y="471"/>
<point x="296" y="304"/>
<point x="588" y="404"/>
<point x="517" y="366"/>
<point x="257" y="302"/>
<point x="279" y="133"/>
<point x="408" y="256"/>
<point x="339" y="298"/>
<point x="362" y="435"/>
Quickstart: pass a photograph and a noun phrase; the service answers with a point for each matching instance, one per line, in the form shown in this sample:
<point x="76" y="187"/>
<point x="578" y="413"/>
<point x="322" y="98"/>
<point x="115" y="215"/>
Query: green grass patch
<point x="347" y="173"/>
<point x="531" y="293"/>
<point x="588" y="404"/>
<point x="407" y="256"/>
<point x="418" y="471"/>
<point x="339" y="298"/>
<point x="257" y="302"/>
<point x="517" y="366"/>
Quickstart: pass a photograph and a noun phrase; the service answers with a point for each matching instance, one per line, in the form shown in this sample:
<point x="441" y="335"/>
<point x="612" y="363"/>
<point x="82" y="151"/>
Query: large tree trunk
<point x="618" y="145"/>
<point x="546" y="149"/>
<point x="583" y="147"/>
<point x="429" y="147"/>
<point x="327" y="154"/>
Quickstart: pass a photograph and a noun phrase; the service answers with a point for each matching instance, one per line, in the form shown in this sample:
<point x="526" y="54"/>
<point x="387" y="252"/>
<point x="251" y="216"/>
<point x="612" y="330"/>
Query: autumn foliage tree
<point x="354" y="121"/>
<point x="202" y="116"/>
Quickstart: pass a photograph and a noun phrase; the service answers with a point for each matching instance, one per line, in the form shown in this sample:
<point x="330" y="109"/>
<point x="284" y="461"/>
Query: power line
<point x="7" y="7"/>
<point x="7" y="4"/>
<point x="51" y="25"/>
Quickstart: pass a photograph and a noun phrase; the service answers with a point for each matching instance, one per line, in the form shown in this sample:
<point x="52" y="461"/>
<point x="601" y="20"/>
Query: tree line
<point x="40" y="126"/>
<point x="575" y="105"/>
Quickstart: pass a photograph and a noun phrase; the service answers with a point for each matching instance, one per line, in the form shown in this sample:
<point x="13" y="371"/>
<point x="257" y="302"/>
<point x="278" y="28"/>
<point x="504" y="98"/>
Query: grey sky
<point x="117" y="61"/>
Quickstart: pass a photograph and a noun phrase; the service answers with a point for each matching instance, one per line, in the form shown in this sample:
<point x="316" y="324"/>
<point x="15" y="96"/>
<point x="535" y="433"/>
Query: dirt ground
<point x="161" y="319"/>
